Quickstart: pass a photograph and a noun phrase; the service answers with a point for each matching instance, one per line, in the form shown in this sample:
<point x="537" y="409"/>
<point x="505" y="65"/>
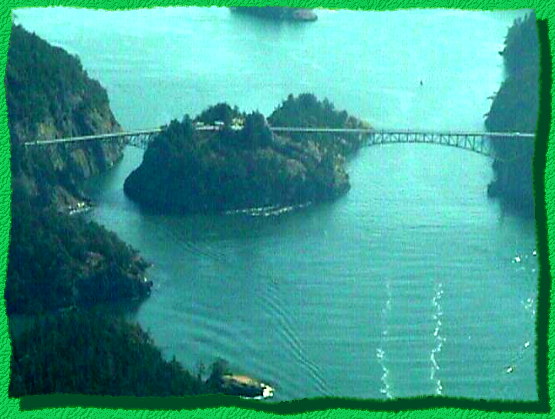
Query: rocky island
<point x="243" y="165"/>
<point x="279" y="13"/>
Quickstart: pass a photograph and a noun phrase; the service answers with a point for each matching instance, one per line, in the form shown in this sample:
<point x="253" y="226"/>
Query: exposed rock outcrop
<point x="185" y="170"/>
<point x="515" y="108"/>
<point x="49" y="96"/>
<point x="55" y="260"/>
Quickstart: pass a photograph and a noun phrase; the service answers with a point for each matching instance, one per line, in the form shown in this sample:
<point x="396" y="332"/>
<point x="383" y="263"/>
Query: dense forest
<point x="56" y="260"/>
<point x="61" y="266"/>
<point x="306" y="110"/>
<point x="49" y="95"/>
<point x="244" y="165"/>
<point x="515" y="109"/>
<point x="279" y="13"/>
<point x="87" y="352"/>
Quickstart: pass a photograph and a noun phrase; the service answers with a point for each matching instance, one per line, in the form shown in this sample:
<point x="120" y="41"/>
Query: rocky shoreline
<point x="515" y="108"/>
<point x="56" y="258"/>
<point x="188" y="171"/>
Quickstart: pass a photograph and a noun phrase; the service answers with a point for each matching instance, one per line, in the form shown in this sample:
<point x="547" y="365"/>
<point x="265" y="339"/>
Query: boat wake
<point x="287" y="332"/>
<point x="268" y="211"/>
<point x="438" y="313"/>
<point x="386" y="388"/>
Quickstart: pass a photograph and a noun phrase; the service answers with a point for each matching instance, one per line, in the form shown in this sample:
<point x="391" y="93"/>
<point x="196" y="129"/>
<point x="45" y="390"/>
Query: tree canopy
<point x="515" y="108"/>
<point x="241" y="166"/>
<point x="86" y="352"/>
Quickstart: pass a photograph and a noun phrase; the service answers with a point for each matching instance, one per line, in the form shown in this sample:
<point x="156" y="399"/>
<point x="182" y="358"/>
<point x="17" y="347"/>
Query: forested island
<point x="515" y="108"/>
<point x="245" y="166"/>
<point x="61" y="267"/>
<point x="279" y="13"/>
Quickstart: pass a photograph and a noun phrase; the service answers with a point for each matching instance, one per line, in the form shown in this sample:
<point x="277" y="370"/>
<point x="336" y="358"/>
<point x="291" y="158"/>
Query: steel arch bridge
<point x="478" y="142"/>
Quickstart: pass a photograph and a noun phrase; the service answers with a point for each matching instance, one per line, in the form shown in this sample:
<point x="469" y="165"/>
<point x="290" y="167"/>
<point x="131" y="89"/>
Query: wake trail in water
<point x="270" y="298"/>
<point x="287" y="331"/>
<point x="438" y="313"/>
<point x="205" y="251"/>
<point x="195" y="247"/>
<point x="268" y="211"/>
<point x="387" y="387"/>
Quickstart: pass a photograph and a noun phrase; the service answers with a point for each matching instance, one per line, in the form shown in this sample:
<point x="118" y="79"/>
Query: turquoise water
<point x="412" y="283"/>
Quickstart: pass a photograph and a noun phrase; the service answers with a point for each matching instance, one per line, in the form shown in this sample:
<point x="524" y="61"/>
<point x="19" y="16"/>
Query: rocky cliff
<point x="238" y="167"/>
<point x="515" y="108"/>
<point x="55" y="260"/>
<point x="49" y="95"/>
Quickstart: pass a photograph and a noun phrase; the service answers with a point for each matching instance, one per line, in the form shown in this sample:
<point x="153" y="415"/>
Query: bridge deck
<point x="368" y="131"/>
<point x="474" y="141"/>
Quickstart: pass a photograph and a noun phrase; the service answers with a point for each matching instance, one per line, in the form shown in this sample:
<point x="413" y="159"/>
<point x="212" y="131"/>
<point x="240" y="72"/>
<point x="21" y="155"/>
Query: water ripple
<point x="287" y="331"/>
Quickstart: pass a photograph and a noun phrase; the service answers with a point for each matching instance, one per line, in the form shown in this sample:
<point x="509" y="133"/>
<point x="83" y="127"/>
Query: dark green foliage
<point x="192" y="171"/>
<point x="515" y="109"/>
<point x="89" y="353"/>
<point x="521" y="50"/>
<point x="218" y="369"/>
<point x="256" y="132"/>
<point x="184" y="170"/>
<point x="44" y="81"/>
<point x="56" y="260"/>
<point x="60" y="264"/>
<point x="515" y="106"/>
<point x="220" y="112"/>
<point x="307" y="111"/>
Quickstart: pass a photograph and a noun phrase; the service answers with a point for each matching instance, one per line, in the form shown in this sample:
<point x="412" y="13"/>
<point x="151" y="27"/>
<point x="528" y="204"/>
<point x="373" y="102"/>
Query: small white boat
<point x="245" y="386"/>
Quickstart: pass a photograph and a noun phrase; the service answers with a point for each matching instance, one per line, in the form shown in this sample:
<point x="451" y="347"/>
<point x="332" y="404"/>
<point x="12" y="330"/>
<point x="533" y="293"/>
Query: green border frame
<point x="74" y="406"/>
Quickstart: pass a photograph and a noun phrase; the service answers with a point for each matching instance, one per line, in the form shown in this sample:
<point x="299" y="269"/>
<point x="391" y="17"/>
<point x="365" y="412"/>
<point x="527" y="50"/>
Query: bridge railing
<point x="474" y="141"/>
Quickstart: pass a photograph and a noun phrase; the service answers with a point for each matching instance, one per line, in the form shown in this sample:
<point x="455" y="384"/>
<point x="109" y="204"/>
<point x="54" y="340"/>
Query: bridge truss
<point x="478" y="142"/>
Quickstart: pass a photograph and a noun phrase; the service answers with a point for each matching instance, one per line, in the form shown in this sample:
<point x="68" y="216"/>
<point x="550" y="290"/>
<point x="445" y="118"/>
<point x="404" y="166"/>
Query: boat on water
<point x="245" y="386"/>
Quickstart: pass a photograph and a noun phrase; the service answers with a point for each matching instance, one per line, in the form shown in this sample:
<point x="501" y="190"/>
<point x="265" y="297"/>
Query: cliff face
<point x="515" y="109"/>
<point x="60" y="265"/>
<point x="55" y="260"/>
<point x="53" y="175"/>
<point x="49" y="95"/>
